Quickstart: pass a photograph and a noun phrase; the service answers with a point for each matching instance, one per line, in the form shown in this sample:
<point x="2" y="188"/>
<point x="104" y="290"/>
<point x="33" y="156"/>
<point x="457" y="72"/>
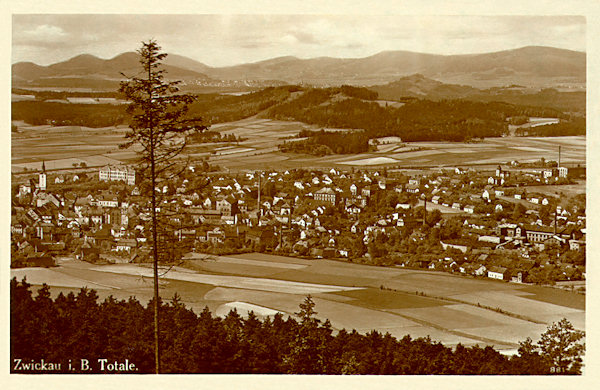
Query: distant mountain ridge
<point x="87" y="65"/>
<point x="531" y="62"/>
<point x="421" y="87"/>
<point x="532" y="65"/>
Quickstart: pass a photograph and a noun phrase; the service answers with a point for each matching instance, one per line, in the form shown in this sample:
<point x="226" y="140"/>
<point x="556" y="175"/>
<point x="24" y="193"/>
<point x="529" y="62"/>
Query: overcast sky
<point x="220" y="40"/>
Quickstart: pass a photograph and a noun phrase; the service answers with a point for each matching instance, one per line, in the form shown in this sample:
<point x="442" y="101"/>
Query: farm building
<point x="499" y="273"/>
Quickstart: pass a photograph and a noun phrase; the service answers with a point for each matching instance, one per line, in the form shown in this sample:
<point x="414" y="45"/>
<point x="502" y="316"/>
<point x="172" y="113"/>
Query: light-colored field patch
<point x="215" y="267"/>
<point x="67" y="163"/>
<point x="508" y="333"/>
<point x="528" y="149"/>
<point x="441" y="284"/>
<point x="404" y="149"/>
<point x="353" y="270"/>
<point x="52" y="277"/>
<point x="449" y="318"/>
<point x="537" y="119"/>
<point x="344" y="316"/>
<point x="515" y="304"/>
<point x="576" y="318"/>
<point x="417" y="153"/>
<point x="462" y="150"/>
<point x="370" y="161"/>
<point x="308" y="276"/>
<point x="575" y="140"/>
<point x="21" y="98"/>
<point x="385" y="148"/>
<point x="224" y="148"/>
<point x="272" y="258"/>
<point x="229" y="281"/>
<point x="449" y="145"/>
<point x="243" y="309"/>
<point x="271" y="264"/>
<point x="477" y="322"/>
<point x="234" y="151"/>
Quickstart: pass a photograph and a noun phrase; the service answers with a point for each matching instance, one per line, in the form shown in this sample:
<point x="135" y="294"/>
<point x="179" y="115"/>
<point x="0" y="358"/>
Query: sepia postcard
<point x="341" y="195"/>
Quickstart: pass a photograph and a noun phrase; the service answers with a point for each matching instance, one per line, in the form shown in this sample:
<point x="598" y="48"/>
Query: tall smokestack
<point x="258" y="212"/>
<point x="424" y="210"/>
<point x="559" y="156"/>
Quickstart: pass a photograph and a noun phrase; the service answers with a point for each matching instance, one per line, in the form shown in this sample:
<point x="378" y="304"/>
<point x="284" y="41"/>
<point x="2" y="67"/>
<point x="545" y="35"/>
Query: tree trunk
<point x="154" y="242"/>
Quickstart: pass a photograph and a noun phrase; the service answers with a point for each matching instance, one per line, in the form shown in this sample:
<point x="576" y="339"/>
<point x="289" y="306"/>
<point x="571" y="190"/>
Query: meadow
<point x="61" y="147"/>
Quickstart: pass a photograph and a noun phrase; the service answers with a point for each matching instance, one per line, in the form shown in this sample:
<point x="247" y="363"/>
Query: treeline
<point x="339" y="107"/>
<point x="72" y="83"/>
<point x="44" y="95"/>
<point x="357" y="92"/>
<point x="575" y="126"/>
<point x="215" y="136"/>
<point x="322" y="143"/>
<point x="548" y="98"/>
<point x="216" y="108"/>
<point x="418" y="120"/>
<point x="74" y="327"/>
<point x="212" y="108"/>
<point x="63" y="114"/>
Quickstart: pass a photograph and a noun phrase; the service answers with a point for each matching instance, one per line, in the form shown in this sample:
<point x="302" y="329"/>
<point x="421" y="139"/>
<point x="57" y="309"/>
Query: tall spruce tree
<point x="159" y="129"/>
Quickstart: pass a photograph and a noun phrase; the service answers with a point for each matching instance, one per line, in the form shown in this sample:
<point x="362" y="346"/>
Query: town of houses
<point x="489" y="224"/>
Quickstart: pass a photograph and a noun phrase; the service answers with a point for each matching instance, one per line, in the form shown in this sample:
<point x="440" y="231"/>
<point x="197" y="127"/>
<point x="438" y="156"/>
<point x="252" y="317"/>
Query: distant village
<point x="478" y="223"/>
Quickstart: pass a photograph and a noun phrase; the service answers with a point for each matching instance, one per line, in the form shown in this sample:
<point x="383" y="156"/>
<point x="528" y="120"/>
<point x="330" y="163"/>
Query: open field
<point x="352" y="296"/>
<point x="60" y="147"/>
<point x="371" y="161"/>
<point x="443" y="209"/>
<point x="567" y="190"/>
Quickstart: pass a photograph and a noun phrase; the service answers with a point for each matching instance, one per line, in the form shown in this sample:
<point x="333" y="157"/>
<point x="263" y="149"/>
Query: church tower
<point x="42" y="178"/>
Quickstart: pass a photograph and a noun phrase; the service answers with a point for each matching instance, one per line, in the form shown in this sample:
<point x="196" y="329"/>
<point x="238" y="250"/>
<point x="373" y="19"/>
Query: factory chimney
<point x="558" y="156"/>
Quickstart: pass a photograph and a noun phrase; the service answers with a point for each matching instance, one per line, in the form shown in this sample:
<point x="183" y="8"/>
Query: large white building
<point x="326" y="195"/>
<point x="110" y="173"/>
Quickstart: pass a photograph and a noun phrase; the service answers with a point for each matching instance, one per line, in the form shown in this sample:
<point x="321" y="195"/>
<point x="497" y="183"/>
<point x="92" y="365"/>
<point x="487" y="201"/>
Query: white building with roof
<point x="110" y="173"/>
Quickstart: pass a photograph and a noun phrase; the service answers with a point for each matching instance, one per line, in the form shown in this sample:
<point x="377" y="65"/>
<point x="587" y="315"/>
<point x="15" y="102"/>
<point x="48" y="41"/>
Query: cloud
<point x="41" y="35"/>
<point x="306" y="38"/>
<point x="220" y="40"/>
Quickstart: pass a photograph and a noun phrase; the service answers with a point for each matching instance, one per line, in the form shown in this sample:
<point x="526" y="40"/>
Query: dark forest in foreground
<point x="74" y="327"/>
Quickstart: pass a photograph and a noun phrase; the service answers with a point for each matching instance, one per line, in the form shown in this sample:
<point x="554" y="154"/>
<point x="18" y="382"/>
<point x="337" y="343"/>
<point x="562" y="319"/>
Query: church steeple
<point x="42" y="178"/>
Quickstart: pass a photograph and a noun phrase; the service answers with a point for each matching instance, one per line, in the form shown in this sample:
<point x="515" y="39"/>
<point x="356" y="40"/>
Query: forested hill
<point x="346" y="107"/>
<point x="419" y="86"/>
<point x="415" y="120"/>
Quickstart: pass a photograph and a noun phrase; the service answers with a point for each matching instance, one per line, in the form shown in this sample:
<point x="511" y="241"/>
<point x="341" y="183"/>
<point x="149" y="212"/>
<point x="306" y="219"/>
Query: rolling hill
<point x="543" y="65"/>
<point x="88" y="71"/>
<point x="529" y="66"/>
<point x="421" y="87"/>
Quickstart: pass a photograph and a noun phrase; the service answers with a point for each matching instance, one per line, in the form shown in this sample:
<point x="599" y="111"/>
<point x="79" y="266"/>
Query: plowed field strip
<point x="486" y="340"/>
